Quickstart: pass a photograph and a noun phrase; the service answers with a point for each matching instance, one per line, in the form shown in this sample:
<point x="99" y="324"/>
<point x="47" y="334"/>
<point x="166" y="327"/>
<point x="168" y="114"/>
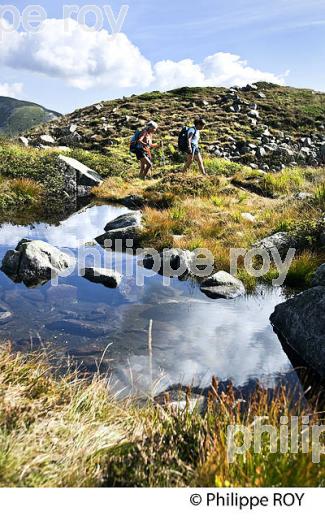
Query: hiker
<point x="189" y="143"/>
<point x="141" y="145"/>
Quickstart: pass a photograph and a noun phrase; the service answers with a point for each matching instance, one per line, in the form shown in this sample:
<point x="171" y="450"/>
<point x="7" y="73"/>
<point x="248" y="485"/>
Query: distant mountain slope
<point x="265" y="125"/>
<point x="19" y="116"/>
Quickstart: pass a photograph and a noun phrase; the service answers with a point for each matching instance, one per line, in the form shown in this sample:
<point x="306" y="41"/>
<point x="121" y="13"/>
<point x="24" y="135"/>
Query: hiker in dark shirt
<point x="143" y="146"/>
<point x="192" y="145"/>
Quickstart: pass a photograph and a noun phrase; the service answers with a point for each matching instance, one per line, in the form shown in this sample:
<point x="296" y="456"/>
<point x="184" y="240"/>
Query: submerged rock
<point x="223" y="285"/>
<point x="35" y="262"/>
<point x="5" y="313"/>
<point x="107" y="277"/>
<point x="80" y="328"/>
<point x="124" y="231"/>
<point x="300" y="322"/>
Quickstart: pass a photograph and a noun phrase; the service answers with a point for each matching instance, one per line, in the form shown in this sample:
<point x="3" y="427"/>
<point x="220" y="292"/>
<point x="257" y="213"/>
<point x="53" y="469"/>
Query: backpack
<point x="134" y="141"/>
<point x="183" y="139"/>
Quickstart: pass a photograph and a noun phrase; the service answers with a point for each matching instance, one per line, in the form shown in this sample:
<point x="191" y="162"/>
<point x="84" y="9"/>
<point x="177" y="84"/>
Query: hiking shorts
<point x="195" y="149"/>
<point x="142" y="154"/>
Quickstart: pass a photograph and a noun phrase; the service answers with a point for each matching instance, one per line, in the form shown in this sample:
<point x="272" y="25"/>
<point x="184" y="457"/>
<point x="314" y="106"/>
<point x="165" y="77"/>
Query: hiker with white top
<point x="188" y="143"/>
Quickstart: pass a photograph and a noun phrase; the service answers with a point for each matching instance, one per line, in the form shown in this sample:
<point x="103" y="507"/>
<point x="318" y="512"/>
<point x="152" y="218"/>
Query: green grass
<point x="67" y="431"/>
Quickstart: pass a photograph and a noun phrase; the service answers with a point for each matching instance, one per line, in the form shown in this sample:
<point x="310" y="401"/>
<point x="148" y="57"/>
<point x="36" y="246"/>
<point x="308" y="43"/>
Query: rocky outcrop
<point x="106" y="277"/>
<point x="300" y="324"/>
<point x="223" y="285"/>
<point x="124" y="231"/>
<point x="34" y="262"/>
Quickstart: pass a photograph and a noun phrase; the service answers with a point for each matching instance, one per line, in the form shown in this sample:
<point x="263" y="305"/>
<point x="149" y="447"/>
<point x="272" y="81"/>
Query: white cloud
<point x="220" y="69"/>
<point x="10" y="89"/>
<point x="87" y="59"/>
<point x="83" y="58"/>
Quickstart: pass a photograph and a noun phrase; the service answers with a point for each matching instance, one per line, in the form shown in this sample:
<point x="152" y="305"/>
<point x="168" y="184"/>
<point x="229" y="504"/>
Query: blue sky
<point x="166" y="44"/>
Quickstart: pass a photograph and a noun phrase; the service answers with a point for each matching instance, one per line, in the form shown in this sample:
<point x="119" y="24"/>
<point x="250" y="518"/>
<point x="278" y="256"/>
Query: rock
<point x="319" y="277"/>
<point x="35" y="262"/>
<point x="254" y="114"/>
<point x="248" y="217"/>
<point x="300" y="322"/>
<point x="303" y="196"/>
<point x="133" y="202"/>
<point x="24" y="141"/>
<point x="126" y="229"/>
<point x="107" y="277"/>
<point x="171" y="263"/>
<point x="5" y="313"/>
<point x="62" y="293"/>
<point x="126" y="220"/>
<point x="48" y="139"/>
<point x="281" y="241"/>
<point x="84" y="175"/>
<point x="261" y="95"/>
<point x="223" y="285"/>
<point x="80" y="328"/>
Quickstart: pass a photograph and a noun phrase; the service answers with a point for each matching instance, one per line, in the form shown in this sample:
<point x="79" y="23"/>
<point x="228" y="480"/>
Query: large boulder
<point x="84" y="176"/>
<point x="35" y="262"/>
<point x="124" y="231"/>
<point x="319" y="277"/>
<point x="300" y="323"/>
<point x="223" y="285"/>
<point x="106" y="277"/>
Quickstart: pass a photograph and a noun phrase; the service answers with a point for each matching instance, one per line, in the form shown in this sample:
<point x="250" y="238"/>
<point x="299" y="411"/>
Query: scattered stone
<point x="48" y="139"/>
<point x="106" y="277"/>
<point x="24" y="141"/>
<point x="223" y="285"/>
<point x="249" y="217"/>
<point x="34" y="262"/>
<point x="281" y="241"/>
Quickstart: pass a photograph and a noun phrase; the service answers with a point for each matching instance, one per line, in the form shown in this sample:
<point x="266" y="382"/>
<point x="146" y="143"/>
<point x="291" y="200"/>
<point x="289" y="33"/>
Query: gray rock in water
<point x="300" y="322"/>
<point x="106" y="277"/>
<point x="5" y="313"/>
<point x="127" y="220"/>
<point x="133" y="202"/>
<point x="319" y="277"/>
<point x="35" y="262"/>
<point x="125" y="231"/>
<point x="223" y="285"/>
<point x="281" y="241"/>
<point x="173" y="263"/>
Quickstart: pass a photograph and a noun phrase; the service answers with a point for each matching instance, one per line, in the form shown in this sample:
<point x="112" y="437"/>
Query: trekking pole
<point x="163" y="158"/>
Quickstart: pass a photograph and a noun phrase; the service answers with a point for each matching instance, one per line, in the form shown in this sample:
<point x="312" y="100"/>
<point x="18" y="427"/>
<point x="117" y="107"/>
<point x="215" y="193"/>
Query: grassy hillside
<point x="16" y="117"/>
<point x="240" y="122"/>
